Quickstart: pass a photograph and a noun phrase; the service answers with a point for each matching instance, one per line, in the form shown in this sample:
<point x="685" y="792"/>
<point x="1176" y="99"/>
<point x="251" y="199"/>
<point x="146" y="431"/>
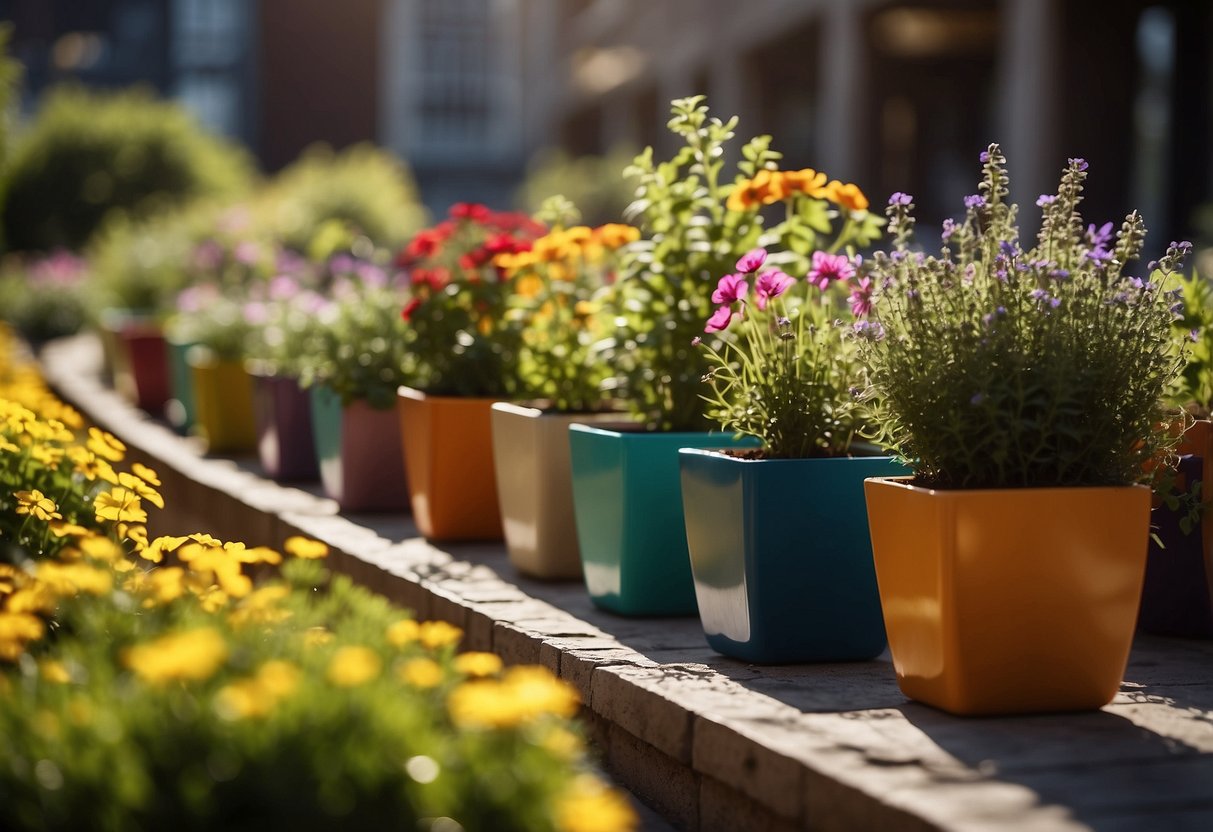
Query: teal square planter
<point x="782" y="557"/>
<point x="628" y="506"/>
<point x="181" y="411"/>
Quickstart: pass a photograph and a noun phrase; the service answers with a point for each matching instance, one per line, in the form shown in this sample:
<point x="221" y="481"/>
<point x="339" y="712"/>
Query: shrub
<point x="90" y="157"/>
<point x="592" y="183"/>
<point x="44" y="297"/>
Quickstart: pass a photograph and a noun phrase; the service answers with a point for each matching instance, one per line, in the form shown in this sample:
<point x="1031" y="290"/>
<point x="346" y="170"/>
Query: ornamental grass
<point x="154" y="684"/>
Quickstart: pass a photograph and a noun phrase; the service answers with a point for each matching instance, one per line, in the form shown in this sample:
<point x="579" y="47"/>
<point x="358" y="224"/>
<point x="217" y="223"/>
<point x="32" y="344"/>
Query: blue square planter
<point x="628" y="506"/>
<point x="782" y="557"/>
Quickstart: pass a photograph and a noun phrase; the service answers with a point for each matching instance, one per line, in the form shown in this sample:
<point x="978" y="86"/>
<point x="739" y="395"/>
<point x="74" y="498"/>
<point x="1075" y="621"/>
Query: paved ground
<point x="719" y="744"/>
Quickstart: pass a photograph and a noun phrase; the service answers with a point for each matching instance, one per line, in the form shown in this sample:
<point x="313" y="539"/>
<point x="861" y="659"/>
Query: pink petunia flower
<point x="752" y="260"/>
<point x="769" y="285"/>
<point x="730" y="289"/>
<point x="827" y="267"/>
<point x="720" y="320"/>
<point x="861" y="297"/>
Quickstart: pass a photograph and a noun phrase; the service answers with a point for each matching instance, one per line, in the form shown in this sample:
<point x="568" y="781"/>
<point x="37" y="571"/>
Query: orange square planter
<point x="1009" y="601"/>
<point x="448" y="456"/>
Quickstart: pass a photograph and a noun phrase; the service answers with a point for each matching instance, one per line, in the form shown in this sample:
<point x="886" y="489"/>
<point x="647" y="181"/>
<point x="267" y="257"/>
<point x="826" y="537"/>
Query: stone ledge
<point x="711" y="742"/>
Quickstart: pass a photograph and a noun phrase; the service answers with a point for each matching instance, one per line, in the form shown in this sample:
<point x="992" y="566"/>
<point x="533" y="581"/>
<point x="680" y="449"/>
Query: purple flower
<point x="1007" y="248"/>
<point x="752" y="260"/>
<point x="696" y="341"/>
<point x="246" y="253"/>
<point x="861" y="297"/>
<point x="208" y="255"/>
<point x="899" y="198"/>
<point x="949" y="228"/>
<point x="1059" y="274"/>
<point x="1098" y="256"/>
<point x="1081" y="164"/>
<point x="984" y="156"/>
<point x="783" y="321"/>
<point x="769" y="285"/>
<point x="730" y="289"/>
<point x="1177" y="309"/>
<point x="1045" y="199"/>
<point x="869" y="329"/>
<point x="827" y="267"/>
<point x="975" y="201"/>
<point x="283" y="287"/>
<point x="1194" y="335"/>
<point x="720" y="320"/>
<point x="256" y="313"/>
<point x="1099" y="237"/>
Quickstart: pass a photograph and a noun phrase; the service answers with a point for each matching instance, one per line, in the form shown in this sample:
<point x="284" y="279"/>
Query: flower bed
<point x="150" y="683"/>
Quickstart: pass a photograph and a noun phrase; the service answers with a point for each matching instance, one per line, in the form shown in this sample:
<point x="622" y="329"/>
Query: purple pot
<point x="359" y="450"/>
<point x="284" y="428"/>
<point x="1175" y="598"/>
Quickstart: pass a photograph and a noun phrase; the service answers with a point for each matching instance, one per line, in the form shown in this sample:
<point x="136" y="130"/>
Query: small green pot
<point x="627" y="498"/>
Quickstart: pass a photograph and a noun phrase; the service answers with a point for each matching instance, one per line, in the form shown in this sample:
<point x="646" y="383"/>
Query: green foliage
<point x="10" y="76"/>
<point x="90" y="158"/>
<point x="1193" y="333"/>
<point x="592" y="183"/>
<point x="357" y="343"/>
<point x="695" y="226"/>
<point x="362" y="187"/>
<point x="45" y="297"/>
<point x="996" y="367"/>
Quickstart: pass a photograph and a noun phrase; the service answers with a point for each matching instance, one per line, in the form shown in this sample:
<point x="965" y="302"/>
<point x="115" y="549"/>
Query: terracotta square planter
<point x="448" y="453"/>
<point x="1009" y="601"/>
<point x="535" y="487"/>
<point x="358" y="451"/>
<point x="138" y="356"/>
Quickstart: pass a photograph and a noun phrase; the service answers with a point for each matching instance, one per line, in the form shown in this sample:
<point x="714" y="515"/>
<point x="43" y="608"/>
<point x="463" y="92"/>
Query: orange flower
<point x="616" y="234"/>
<point x="808" y="181"/>
<point x="846" y="196"/>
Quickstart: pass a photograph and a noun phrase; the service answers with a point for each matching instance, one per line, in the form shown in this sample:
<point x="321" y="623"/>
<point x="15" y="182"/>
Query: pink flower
<point x="827" y="267"/>
<point x="771" y="284"/>
<point x="752" y="260"/>
<point x="861" y="297"/>
<point x="730" y="289"/>
<point x="720" y="320"/>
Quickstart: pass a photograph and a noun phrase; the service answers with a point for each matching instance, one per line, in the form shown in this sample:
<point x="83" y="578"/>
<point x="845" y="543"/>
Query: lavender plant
<point x="993" y="366"/>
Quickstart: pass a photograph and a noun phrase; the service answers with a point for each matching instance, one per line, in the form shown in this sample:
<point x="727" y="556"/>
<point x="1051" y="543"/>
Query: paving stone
<point x="772" y="779"/>
<point x="660" y="781"/>
<point x="636" y="699"/>
<point x="724" y="809"/>
<point x="515" y="646"/>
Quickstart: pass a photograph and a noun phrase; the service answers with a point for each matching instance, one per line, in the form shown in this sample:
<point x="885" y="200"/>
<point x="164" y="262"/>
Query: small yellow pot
<point x="223" y="401"/>
<point x="1009" y="601"/>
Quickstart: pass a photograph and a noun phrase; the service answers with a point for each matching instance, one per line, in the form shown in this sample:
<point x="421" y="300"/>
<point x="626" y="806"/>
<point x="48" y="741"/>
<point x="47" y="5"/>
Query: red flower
<point x="500" y="243"/>
<point x="409" y="309"/>
<point x="472" y="211"/>
<point x="435" y="279"/>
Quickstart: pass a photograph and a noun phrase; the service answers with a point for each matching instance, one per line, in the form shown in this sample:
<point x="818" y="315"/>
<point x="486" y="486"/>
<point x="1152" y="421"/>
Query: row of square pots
<point x="995" y="601"/>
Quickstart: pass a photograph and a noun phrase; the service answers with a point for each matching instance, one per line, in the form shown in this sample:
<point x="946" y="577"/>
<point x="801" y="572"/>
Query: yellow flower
<point x="156" y="550"/>
<point x="562" y="743"/>
<point x="138" y="486"/>
<point x="478" y="664"/>
<point x="258" y="608"/>
<point x="48" y="455"/>
<point x="90" y="466"/>
<point x="421" y="673"/>
<point x="72" y="578"/>
<point x="302" y="547"/>
<point x="435" y="634"/>
<point x="105" y="445"/>
<point x="119" y="505"/>
<point x="316" y="637"/>
<point x="190" y="655"/>
<point x="37" y="505"/>
<point x="163" y="585"/>
<point x="54" y="671"/>
<point x="100" y="548"/>
<point x="62" y="528"/>
<point x="528" y="285"/>
<point x="846" y="196"/>
<point x="353" y="666"/>
<point x="403" y="632"/>
<point x="259" y="694"/>
<point x="16" y="629"/>
<point x="522" y="695"/>
<point x="32" y="599"/>
<point x="615" y="234"/>
<point x="146" y="474"/>
<point x="9" y="447"/>
<point x="590" y="806"/>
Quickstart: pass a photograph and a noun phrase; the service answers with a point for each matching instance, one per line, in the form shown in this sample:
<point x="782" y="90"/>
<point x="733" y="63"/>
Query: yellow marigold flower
<point x="522" y="695"/>
<point x="278" y="678"/>
<point x="48" y="455"/>
<point x="32" y="599"/>
<point x="54" y="671"/>
<point x="205" y="539"/>
<point x="192" y="655"/>
<point x="62" y="528"/>
<point x="478" y="664"/>
<point x="73" y="578"/>
<point x="134" y="532"/>
<point x="542" y="691"/>
<point x="353" y="666"/>
<point x="258" y="608"/>
<point x="584" y="309"/>
<point x="305" y="548"/>
<point x="528" y="285"/>
<point x="9" y="447"/>
<point x="258" y="695"/>
<point x="421" y="673"/>
<point x="20" y="626"/>
<point x="137" y="485"/>
<point x="37" y="505"/>
<point x="589" y="805"/>
<point x="105" y="445"/>
<point x="146" y="474"/>
<point x="846" y="196"/>
<point x="616" y="234"/>
<point x="316" y="637"/>
<point x="259" y="554"/>
<point x="119" y="505"/>
<point x="163" y="585"/>
<point x="156" y="550"/>
<point x="562" y="743"/>
<point x="403" y="632"/>
<point x="211" y="599"/>
<point x="99" y="547"/>
<point x="435" y="634"/>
